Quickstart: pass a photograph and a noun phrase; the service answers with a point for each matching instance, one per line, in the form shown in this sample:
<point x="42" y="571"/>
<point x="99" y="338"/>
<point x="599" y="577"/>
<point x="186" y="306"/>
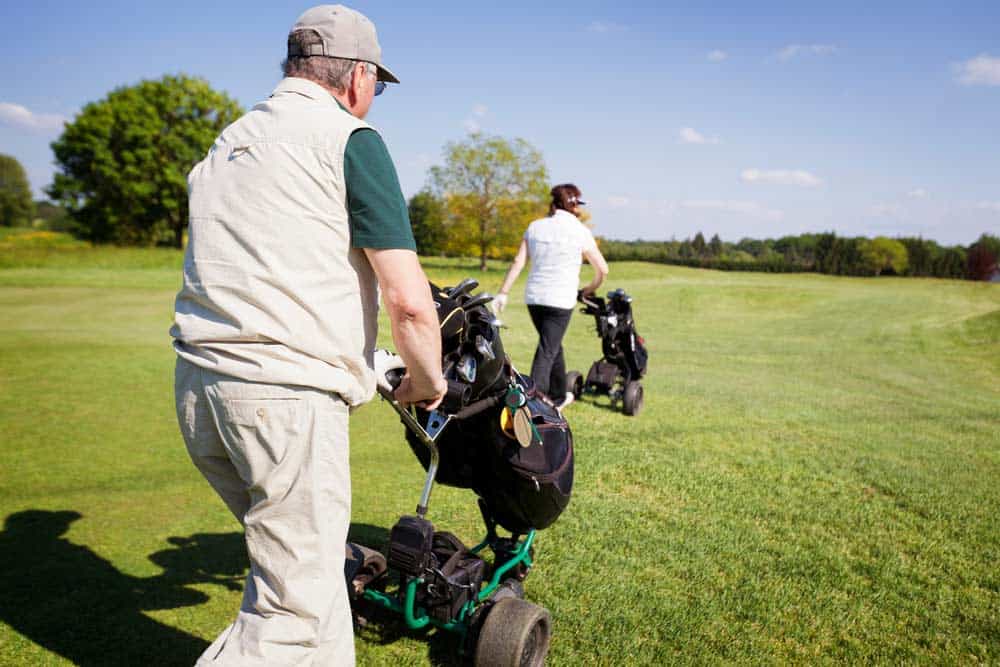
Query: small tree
<point x="52" y="217"/>
<point x="698" y="244"/>
<point x="881" y="254"/>
<point x="16" y="205"/>
<point x="715" y="246"/>
<point x="427" y="218"/>
<point x="492" y="188"/>
<point x="981" y="260"/>
<point x="123" y="161"/>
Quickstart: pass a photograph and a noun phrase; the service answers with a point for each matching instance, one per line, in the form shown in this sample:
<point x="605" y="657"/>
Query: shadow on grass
<point x="383" y="627"/>
<point x="69" y="600"/>
<point x="600" y="402"/>
<point x="373" y="537"/>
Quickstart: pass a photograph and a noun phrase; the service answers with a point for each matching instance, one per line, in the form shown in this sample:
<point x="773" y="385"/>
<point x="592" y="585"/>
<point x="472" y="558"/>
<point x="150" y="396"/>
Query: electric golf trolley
<point x="495" y="435"/>
<point x="619" y="372"/>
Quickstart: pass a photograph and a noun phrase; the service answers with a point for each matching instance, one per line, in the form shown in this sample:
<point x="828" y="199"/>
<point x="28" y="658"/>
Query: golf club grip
<point x="456" y="397"/>
<point x="394" y="376"/>
<point x="477" y="407"/>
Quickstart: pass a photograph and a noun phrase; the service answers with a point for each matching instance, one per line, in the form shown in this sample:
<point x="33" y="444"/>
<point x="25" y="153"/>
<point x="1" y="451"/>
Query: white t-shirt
<point x="555" y="249"/>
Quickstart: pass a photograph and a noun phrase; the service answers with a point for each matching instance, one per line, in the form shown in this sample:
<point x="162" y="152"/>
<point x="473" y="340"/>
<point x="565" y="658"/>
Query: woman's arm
<point x="512" y="273"/>
<point x="597" y="261"/>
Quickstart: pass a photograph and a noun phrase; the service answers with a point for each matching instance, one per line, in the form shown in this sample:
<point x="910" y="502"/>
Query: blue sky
<point x="742" y="119"/>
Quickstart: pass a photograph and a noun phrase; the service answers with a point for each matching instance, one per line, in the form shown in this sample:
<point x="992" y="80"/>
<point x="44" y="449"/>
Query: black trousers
<point x="548" y="370"/>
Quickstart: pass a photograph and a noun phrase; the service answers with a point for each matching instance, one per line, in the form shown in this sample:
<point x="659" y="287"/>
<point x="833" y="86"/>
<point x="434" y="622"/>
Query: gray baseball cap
<point x="345" y="33"/>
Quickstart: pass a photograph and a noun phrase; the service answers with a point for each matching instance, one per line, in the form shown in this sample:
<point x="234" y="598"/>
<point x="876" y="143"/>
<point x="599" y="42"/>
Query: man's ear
<point x="358" y="77"/>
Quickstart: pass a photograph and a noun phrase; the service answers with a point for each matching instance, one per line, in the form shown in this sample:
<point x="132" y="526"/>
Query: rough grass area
<point x="814" y="477"/>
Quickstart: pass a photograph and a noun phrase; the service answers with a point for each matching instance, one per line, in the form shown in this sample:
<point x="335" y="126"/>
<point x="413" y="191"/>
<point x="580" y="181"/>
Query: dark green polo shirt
<point x="378" y="214"/>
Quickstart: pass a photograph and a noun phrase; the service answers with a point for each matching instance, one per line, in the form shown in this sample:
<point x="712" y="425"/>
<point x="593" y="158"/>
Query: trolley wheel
<point x="632" y="398"/>
<point x="574" y="382"/>
<point x="510" y="588"/>
<point x="362" y="566"/>
<point x="514" y="634"/>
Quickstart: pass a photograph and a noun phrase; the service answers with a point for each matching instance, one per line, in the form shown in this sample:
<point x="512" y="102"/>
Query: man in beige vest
<point x="296" y="221"/>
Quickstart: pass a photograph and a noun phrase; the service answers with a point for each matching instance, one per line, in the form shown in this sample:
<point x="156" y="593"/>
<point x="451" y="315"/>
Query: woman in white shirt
<point x="556" y="246"/>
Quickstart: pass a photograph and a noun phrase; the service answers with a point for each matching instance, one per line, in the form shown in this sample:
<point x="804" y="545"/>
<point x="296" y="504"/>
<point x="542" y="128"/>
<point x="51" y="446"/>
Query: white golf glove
<point x="499" y="303"/>
<point x="384" y="362"/>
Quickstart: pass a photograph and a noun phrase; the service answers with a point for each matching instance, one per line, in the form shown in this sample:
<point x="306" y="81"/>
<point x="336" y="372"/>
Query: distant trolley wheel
<point x="574" y="383"/>
<point x="514" y="634"/>
<point x="632" y="398"/>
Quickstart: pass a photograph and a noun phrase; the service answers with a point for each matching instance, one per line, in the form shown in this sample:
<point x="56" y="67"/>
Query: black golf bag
<point x="624" y="349"/>
<point x="522" y="486"/>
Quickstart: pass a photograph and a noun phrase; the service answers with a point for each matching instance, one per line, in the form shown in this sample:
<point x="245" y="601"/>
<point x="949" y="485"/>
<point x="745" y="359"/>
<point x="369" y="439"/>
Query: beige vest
<point x="273" y="291"/>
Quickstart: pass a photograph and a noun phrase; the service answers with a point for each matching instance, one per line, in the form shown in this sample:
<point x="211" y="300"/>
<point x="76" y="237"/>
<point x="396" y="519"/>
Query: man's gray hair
<point x="332" y="72"/>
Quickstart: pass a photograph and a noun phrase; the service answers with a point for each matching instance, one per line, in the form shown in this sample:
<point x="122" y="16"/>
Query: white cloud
<point x="793" y="50"/>
<point x="917" y="193"/>
<point x="749" y="208"/>
<point x="717" y="56"/>
<point x="603" y="27"/>
<point x="689" y="135"/>
<point x="796" y="177"/>
<point x="472" y="124"/>
<point x="886" y="211"/>
<point x="989" y="206"/>
<point x="618" y="201"/>
<point x="18" y="116"/>
<point x="983" y="70"/>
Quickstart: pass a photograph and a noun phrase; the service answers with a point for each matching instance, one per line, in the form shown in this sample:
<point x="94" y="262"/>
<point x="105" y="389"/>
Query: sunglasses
<point x="379" y="88"/>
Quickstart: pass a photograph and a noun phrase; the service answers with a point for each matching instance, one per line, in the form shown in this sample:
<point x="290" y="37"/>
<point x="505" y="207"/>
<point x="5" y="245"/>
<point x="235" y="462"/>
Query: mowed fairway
<point x="815" y="476"/>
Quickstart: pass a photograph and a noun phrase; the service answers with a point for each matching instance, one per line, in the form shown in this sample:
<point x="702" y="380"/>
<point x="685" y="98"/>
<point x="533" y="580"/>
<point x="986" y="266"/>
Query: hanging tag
<point x="515" y="398"/>
<point x="523" y="428"/>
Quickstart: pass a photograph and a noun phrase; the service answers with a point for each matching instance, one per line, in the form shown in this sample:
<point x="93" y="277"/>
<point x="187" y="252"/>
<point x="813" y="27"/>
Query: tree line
<point x="821" y="253"/>
<point x="122" y="164"/>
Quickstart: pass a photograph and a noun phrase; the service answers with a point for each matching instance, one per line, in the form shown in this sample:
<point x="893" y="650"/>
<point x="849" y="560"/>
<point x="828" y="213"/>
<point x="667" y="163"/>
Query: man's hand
<point x="428" y="398"/>
<point x="499" y="303"/>
<point x="385" y="362"/>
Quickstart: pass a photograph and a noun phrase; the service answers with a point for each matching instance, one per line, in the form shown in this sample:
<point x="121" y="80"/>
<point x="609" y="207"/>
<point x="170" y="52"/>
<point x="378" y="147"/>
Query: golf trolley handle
<point x="436" y="422"/>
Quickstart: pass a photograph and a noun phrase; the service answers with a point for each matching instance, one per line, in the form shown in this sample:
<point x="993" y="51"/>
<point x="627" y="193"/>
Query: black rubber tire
<point x="632" y="398"/>
<point x="574" y="383"/>
<point x="515" y="634"/>
<point x="511" y="588"/>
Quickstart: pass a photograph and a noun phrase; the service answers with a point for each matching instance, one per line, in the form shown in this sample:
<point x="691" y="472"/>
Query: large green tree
<point x="492" y="188"/>
<point x="427" y="218"/>
<point x="16" y="205"/>
<point x="123" y="161"/>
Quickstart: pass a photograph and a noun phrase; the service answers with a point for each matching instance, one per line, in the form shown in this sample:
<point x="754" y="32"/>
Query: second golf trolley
<point x="494" y="435"/>
<point x="619" y="372"/>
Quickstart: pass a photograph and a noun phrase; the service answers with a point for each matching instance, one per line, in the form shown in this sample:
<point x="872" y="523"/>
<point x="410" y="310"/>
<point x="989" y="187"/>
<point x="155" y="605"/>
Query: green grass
<point x="814" y="477"/>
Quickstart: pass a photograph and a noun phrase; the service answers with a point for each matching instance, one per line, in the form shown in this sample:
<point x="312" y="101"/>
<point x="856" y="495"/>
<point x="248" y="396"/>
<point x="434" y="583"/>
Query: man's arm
<point x="380" y="225"/>
<point x="414" y="321"/>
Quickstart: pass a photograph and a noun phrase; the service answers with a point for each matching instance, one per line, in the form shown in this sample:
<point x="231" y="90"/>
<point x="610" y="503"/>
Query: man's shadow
<point x="69" y="600"/>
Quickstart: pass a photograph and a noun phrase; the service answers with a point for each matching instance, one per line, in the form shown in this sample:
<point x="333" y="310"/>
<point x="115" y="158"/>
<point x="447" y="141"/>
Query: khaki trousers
<point x="278" y="457"/>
